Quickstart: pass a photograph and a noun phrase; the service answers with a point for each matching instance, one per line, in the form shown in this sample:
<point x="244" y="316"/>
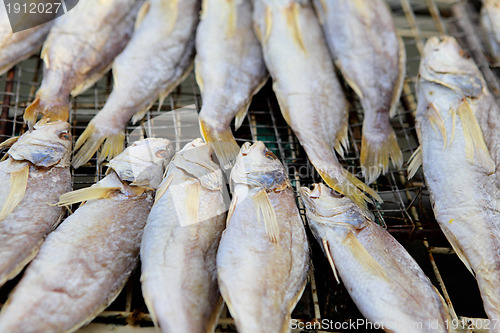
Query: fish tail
<point x="375" y="155"/>
<point x="346" y="183"/>
<point x="49" y="111"/>
<point x="223" y="143"/>
<point x="91" y="139"/>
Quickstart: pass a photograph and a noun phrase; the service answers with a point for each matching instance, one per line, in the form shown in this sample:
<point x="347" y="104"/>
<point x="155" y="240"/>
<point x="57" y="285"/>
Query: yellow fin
<point x="192" y="202"/>
<point x="197" y="75"/>
<point x="223" y="143"/>
<point x="89" y="142"/>
<point x="349" y="80"/>
<point x="292" y="19"/>
<point x="172" y="12"/>
<point x="401" y="78"/>
<point x="163" y="187"/>
<point x="8" y="143"/>
<point x="326" y="246"/>
<point x="89" y="82"/>
<point x="141" y="14"/>
<point x="18" y="184"/>
<point x="453" y="125"/>
<point x="141" y="113"/>
<point x="437" y="122"/>
<point x="458" y="250"/>
<point x="231" y="18"/>
<point x="342" y="139"/>
<point x="360" y="253"/>
<point x="476" y="150"/>
<point x="350" y="186"/>
<point x="85" y="194"/>
<point x="240" y="116"/>
<point x="31" y="113"/>
<point x="231" y="208"/>
<point x="375" y="156"/>
<point x="415" y="162"/>
<point x="264" y="206"/>
<point x="269" y="24"/>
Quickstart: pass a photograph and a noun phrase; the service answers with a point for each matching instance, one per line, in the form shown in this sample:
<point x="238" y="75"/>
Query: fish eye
<point x="162" y="154"/>
<point x="65" y="136"/>
<point x="269" y="154"/>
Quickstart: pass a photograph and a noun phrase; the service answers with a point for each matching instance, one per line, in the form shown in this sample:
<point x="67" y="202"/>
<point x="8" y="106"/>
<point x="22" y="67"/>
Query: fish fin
<point x="232" y="206"/>
<point x="18" y="184"/>
<point x="453" y="125"/>
<point x="240" y="116"/>
<point x="437" y="123"/>
<point x="31" y="113"/>
<point x="360" y="253"/>
<point x="401" y="78"/>
<point x="89" y="82"/>
<point x="8" y="143"/>
<point x="375" y="156"/>
<point x="86" y="194"/>
<point x="163" y="187"/>
<point x="269" y="24"/>
<point x="342" y="139"/>
<point x="192" y="202"/>
<point x="197" y="75"/>
<point x="415" y="162"/>
<point x="141" y="14"/>
<point x="231" y="18"/>
<point x="150" y="306"/>
<point x="264" y="206"/>
<point x="320" y="10"/>
<point x="476" y="150"/>
<point x="326" y="246"/>
<point x="350" y="186"/>
<point x="292" y="19"/>
<point x="203" y="11"/>
<point x="89" y="142"/>
<point x="456" y="247"/>
<point x="349" y="79"/>
<point x="141" y="113"/>
<point x="45" y="56"/>
<point x="223" y="143"/>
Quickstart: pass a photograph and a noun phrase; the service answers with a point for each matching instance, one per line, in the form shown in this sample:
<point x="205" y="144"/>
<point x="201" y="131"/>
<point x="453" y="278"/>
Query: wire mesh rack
<point x="406" y="211"/>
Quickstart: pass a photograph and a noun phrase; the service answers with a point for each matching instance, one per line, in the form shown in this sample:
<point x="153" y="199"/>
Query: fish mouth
<point x="248" y="147"/>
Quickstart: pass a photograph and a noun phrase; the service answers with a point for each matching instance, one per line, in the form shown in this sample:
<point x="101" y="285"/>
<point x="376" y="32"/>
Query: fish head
<point x="445" y="63"/>
<point x="325" y="206"/>
<point x="144" y="162"/>
<point x="257" y="166"/>
<point x="47" y="145"/>
<point x="196" y="159"/>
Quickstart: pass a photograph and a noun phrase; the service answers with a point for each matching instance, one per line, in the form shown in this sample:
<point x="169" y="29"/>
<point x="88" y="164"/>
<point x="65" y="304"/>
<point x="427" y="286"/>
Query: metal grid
<point x="406" y="211"/>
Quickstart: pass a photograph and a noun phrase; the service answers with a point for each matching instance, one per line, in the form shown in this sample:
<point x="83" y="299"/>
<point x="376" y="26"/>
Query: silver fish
<point x="179" y="246"/>
<point x="34" y="175"/>
<point x="263" y="257"/>
<point x="490" y="21"/>
<point x="16" y="47"/>
<point x="83" y="265"/>
<point x="371" y="56"/>
<point x="458" y="125"/>
<point x="307" y="88"/>
<point x="156" y="60"/>
<point x="79" y="49"/>
<point x="229" y="69"/>
<point x="382" y="278"/>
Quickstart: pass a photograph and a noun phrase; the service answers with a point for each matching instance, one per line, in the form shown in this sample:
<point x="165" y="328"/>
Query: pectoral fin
<point x="415" y="162"/>
<point x="18" y="184"/>
<point x="292" y="20"/>
<point x="476" y="150"/>
<point x="265" y="211"/>
<point x="163" y="187"/>
<point x="361" y="254"/>
<point x="192" y="202"/>
<point x="86" y="194"/>
<point x="326" y="247"/>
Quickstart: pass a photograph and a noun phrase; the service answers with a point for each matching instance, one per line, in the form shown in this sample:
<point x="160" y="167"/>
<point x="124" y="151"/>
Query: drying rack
<point x="406" y="211"/>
